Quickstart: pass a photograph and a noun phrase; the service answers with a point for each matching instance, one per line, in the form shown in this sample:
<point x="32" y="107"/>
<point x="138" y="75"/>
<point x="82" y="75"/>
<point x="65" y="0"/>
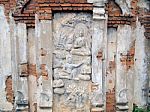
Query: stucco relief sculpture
<point x="72" y="61"/>
<point x="77" y="96"/>
<point x="44" y="100"/>
<point x="80" y="45"/>
<point x="70" y="69"/>
<point x="21" y="102"/>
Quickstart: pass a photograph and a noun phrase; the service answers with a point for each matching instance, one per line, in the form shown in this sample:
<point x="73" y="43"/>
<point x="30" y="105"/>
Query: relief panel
<point x="72" y="62"/>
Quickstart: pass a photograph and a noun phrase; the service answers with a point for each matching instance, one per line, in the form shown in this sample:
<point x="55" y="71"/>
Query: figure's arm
<point x="64" y="68"/>
<point x="77" y="65"/>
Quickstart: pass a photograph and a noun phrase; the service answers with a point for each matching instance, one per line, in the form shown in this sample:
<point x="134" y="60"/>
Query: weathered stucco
<point x="5" y="60"/>
<point x="74" y="56"/>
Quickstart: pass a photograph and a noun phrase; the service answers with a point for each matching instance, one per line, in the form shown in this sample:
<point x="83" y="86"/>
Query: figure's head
<point x="81" y="33"/>
<point x="69" y="59"/>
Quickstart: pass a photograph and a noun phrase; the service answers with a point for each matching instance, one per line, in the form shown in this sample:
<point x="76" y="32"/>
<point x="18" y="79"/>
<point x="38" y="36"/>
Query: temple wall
<point x="74" y="55"/>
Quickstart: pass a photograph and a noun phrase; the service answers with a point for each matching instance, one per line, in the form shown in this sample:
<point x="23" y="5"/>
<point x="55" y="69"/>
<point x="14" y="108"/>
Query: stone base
<point x="122" y="107"/>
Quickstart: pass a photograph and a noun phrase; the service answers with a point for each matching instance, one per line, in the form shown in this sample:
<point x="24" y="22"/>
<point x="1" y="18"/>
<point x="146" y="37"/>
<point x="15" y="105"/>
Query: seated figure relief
<point x="80" y="44"/>
<point x="79" y="40"/>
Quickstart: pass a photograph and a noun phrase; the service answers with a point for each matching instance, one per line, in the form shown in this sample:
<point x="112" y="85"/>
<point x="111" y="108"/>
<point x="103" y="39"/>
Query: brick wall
<point x="62" y="1"/>
<point x="9" y="90"/>
<point x="115" y="16"/>
<point x="44" y="9"/>
<point x="9" y="5"/>
<point x="145" y="20"/>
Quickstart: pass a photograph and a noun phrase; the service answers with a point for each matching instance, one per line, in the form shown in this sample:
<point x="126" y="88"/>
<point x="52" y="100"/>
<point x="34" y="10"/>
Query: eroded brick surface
<point x="45" y="8"/>
<point x="100" y="55"/>
<point x="134" y="7"/>
<point x="32" y="70"/>
<point x="128" y="59"/>
<point x="116" y="17"/>
<point x="110" y="101"/>
<point x="24" y="70"/>
<point x="9" y="90"/>
<point x="112" y="66"/>
<point x="9" y="5"/>
<point x="145" y="20"/>
<point x="44" y="72"/>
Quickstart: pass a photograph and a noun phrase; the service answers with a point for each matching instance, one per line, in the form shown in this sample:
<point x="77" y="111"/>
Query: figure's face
<point x="81" y="34"/>
<point x="69" y="60"/>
